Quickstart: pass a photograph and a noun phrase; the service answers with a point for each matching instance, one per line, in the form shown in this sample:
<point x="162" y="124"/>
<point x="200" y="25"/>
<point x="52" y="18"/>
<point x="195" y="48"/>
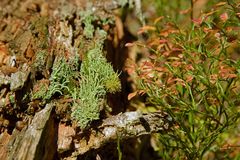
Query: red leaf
<point x="197" y="21"/>
<point x="146" y="28"/>
<point x="224" y="17"/>
<point x="131" y="95"/>
<point x="129" y="44"/>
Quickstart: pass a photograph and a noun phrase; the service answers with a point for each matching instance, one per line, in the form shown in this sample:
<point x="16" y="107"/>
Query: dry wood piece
<point x="123" y="126"/>
<point x="36" y="141"/>
<point x="65" y="136"/>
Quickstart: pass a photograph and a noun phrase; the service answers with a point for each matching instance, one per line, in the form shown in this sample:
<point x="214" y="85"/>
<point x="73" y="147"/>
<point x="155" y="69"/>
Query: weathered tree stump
<point x="33" y="36"/>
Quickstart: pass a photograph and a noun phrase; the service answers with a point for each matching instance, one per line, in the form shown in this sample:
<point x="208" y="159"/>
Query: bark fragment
<point x="124" y="126"/>
<point x="36" y="141"/>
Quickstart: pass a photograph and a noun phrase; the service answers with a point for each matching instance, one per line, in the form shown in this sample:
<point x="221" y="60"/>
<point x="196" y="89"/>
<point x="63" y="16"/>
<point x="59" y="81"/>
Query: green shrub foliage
<point x="193" y="76"/>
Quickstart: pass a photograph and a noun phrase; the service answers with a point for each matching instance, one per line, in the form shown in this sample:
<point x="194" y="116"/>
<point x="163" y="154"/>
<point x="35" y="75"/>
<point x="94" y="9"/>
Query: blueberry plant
<point x="192" y="73"/>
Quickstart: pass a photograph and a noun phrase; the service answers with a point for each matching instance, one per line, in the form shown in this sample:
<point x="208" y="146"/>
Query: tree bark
<point x="37" y="140"/>
<point x="29" y="43"/>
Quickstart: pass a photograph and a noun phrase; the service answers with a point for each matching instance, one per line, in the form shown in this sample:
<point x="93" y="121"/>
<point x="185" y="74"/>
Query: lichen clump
<point x="85" y="81"/>
<point x="97" y="78"/>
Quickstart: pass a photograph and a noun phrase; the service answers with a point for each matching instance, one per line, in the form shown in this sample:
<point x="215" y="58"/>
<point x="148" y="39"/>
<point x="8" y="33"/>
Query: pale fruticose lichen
<point x="97" y="78"/>
<point x="88" y="81"/>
